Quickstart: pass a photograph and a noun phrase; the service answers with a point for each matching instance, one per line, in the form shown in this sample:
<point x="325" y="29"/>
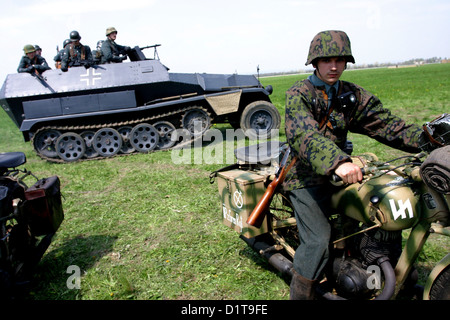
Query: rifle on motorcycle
<point x="367" y="260"/>
<point x="29" y="218"/>
<point x="257" y="216"/>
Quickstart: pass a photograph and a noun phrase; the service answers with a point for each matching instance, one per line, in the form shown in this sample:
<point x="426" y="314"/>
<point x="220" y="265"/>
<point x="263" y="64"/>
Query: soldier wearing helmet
<point x="38" y="50"/>
<point x="31" y="62"/>
<point x="111" y="51"/>
<point x="76" y="54"/>
<point x="60" y="54"/>
<point x="320" y="111"/>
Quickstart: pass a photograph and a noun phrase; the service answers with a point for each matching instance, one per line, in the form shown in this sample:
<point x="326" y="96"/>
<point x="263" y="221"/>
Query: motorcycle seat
<point x="12" y="159"/>
<point x="262" y="153"/>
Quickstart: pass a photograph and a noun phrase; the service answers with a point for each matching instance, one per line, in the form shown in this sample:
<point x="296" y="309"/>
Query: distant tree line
<point x="418" y="61"/>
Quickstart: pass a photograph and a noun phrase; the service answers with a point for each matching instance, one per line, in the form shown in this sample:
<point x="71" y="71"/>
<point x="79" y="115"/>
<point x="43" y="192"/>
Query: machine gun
<point x="136" y="53"/>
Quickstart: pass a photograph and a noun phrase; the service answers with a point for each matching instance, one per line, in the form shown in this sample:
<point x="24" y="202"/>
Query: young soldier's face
<point x="113" y="36"/>
<point x="31" y="55"/>
<point x="329" y="70"/>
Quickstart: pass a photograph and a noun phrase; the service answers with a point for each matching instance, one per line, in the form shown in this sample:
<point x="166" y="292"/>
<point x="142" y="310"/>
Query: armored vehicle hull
<point x="108" y="109"/>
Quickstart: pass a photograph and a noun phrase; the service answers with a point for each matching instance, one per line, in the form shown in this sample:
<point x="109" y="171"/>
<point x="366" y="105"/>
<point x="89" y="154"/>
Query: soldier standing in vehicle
<point x="111" y="51"/>
<point x="60" y="54"/>
<point x="320" y="111"/>
<point x="38" y="50"/>
<point x="31" y="62"/>
<point x="97" y="53"/>
<point x="76" y="54"/>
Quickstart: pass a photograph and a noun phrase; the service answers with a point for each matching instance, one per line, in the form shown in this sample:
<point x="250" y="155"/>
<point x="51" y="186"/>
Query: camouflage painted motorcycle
<point x="29" y="218"/>
<point x="406" y="197"/>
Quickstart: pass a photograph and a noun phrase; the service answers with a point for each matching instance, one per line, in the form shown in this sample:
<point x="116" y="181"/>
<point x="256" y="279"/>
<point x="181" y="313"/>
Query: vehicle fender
<point x="440" y="266"/>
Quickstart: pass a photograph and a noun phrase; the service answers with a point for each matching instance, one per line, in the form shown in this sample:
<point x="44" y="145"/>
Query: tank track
<point x="153" y="119"/>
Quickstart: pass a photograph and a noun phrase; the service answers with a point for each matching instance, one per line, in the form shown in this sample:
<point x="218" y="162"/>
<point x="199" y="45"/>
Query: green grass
<point x="142" y="227"/>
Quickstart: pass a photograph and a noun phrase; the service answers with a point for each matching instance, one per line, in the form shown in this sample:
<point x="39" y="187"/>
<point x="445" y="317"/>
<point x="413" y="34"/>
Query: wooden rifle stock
<point x="259" y="212"/>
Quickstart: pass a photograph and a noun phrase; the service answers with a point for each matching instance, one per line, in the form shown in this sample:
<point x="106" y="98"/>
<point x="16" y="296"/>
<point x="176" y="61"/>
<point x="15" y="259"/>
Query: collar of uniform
<point x="319" y="83"/>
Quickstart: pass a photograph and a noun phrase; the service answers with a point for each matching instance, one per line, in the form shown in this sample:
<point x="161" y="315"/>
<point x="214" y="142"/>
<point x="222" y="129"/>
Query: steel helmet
<point x="110" y="30"/>
<point x="74" y="35"/>
<point x="331" y="43"/>
<point x="29" y="48"/>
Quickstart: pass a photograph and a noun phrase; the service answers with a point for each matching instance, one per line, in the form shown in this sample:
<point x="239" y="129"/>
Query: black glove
<point x="64" y="69"/>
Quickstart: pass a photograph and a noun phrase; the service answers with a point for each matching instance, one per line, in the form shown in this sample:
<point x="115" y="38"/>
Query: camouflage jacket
<point x="318" y="138"/>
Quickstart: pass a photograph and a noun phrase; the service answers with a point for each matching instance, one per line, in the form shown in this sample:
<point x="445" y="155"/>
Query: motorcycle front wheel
<point x="441" y="286"/>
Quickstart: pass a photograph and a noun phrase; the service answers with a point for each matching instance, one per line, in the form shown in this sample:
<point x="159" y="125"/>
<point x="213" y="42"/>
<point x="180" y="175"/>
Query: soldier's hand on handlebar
<point x="349" y="172"/>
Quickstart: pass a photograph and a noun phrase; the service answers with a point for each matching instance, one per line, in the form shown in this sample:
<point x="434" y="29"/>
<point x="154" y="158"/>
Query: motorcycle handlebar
<point x="336" y="178"/>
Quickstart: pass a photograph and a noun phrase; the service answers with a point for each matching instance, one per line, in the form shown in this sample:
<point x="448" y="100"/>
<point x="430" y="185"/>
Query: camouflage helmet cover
<point x="110" y="30"/>
<point x="28" y="48"/>
<point x="332" y="43"/>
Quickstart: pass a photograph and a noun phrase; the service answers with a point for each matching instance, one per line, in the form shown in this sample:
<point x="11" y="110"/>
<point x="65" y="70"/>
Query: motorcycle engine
<point x="351" y="273"/>
<point x="379" y="243"/>
<point x="351" y="278"/>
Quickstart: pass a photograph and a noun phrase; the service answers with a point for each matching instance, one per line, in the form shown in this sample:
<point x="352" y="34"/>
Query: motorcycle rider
<point x="111" y="51"/>
<point x="320" y="111"/>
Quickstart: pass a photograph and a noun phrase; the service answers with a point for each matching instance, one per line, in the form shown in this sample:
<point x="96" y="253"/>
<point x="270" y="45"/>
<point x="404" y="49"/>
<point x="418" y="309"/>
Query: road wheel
<point x="88" y="137"/>
<point x="70" y="146"/>
<point x="107" y="142"/>
<point x="44" y="143"/>
<point x="144" y="137"/>
<point x="165" y="130"/>
<point x="125" y="132"/>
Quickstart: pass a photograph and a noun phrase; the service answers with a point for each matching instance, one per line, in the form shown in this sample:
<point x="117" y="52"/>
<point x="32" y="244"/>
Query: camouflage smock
<point x="318" y="143"/>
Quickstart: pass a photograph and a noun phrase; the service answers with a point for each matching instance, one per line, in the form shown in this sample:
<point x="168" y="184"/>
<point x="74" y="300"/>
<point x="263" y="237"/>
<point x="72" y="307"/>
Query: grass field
<point x="142" y="227"/>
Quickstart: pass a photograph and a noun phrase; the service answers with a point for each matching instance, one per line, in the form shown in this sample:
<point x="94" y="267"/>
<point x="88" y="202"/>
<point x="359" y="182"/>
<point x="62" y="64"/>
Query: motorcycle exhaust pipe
<point x="276" y="259"/>
<point x="389" y="279"/>
<point x="284" y="265"/>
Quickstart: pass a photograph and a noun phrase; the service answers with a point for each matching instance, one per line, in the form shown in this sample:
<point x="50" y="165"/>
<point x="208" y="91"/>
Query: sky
<point x="230" y="36"/>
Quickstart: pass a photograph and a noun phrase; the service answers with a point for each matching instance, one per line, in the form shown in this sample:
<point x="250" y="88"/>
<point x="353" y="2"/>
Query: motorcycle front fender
<point x="440" y="266"/>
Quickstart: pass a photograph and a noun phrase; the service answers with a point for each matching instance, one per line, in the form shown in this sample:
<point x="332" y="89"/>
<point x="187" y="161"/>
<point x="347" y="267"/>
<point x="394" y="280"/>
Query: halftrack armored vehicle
<point x="135" y="106"/>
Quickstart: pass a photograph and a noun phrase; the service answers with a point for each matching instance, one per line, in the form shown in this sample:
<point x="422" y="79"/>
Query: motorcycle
<point x="405" y="196"/>
<point x="29" y="218"/>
